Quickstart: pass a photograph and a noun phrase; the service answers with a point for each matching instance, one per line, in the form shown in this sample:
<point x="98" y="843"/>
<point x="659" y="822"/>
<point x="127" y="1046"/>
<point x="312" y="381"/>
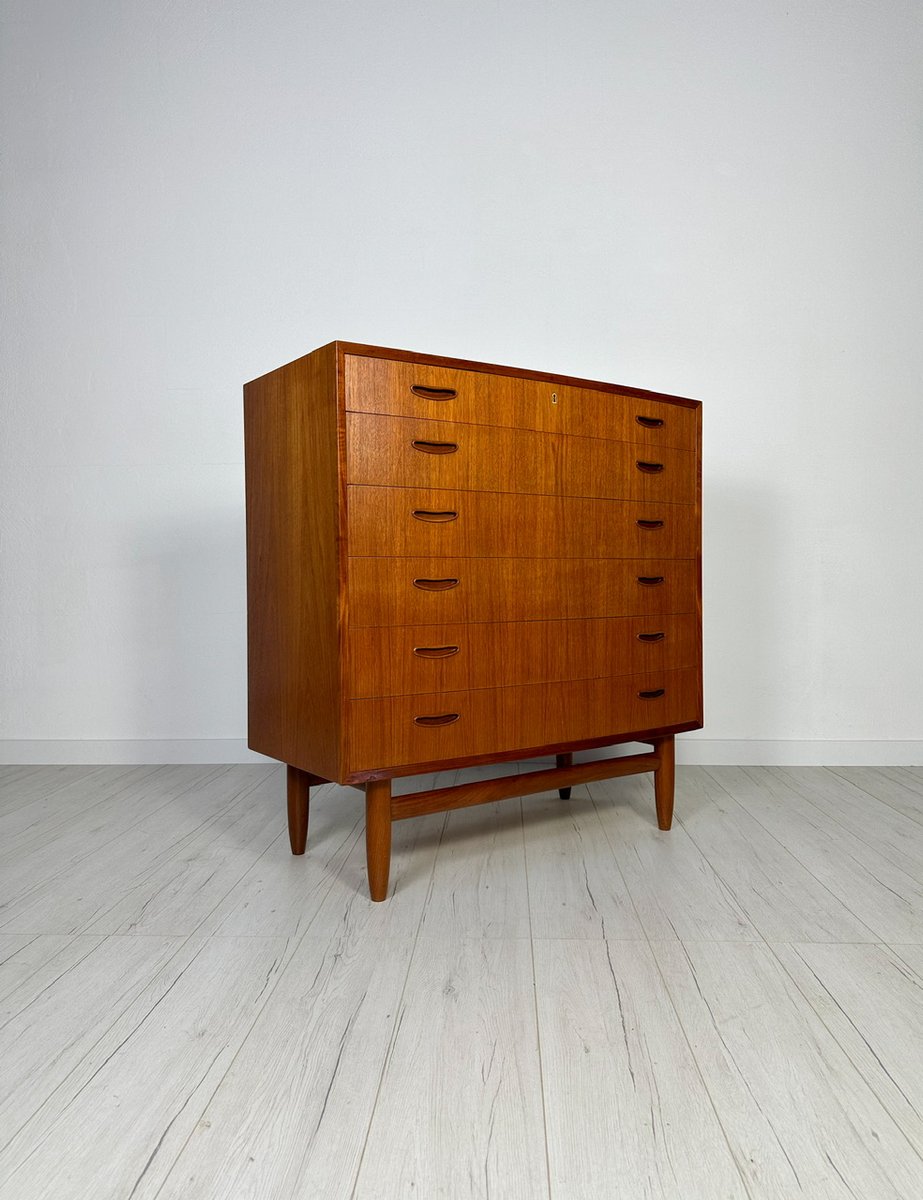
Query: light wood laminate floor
<point x="557" y="1000"/>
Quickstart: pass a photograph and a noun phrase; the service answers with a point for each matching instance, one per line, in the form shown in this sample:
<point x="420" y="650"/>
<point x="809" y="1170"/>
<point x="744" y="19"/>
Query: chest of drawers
<point x="450" y="563"/>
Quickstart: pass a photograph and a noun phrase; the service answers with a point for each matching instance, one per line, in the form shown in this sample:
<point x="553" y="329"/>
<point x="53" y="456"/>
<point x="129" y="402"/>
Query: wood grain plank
<point x="47" y="1031"/>
<point x="853" y="809"/>
<point x="181" y="890"/>
<point x="914" y="775"/>
<point x="84" y="889"/>
<point x="280" y="894"/>
<point x="576" y="889"/>
<point x="885" y="898"/>
<point x="459" y="1111"/>
<point x="798" y="1115"/>
<point x="291" y="1116"/>
<point x="111" y="798"/>
<point x="872" y="1003"/>
<point x="887" y="785"/>
<point x="346" y="909"/>
<point x="778" y="894"/>
<point x="674" y="889"/>
<point x="628" y="1115"/>
<point x="24" y="785"/>
<point x="37" y="966"/>
<point x="128" y="1121"/>
<point x="22" y="955"/>
<point x="479" y="877"/>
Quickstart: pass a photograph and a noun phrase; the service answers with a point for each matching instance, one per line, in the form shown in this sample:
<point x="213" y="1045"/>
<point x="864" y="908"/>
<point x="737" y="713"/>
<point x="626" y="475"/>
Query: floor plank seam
<point x="845" y="1049"/>
<point x="395" y="1025"/>
<point x="288" y="953"/>
<point x="876" y="934"/>
<point x="538" y="1030"/>
<point x="699" y="1070"/>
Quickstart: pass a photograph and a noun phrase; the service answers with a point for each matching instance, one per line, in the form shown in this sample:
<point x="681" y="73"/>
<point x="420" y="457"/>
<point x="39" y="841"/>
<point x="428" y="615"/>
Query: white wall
<point x="717" y="199"/>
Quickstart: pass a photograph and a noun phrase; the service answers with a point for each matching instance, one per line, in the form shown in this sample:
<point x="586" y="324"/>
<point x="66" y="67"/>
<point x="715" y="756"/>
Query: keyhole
<point x="554" y="397"/>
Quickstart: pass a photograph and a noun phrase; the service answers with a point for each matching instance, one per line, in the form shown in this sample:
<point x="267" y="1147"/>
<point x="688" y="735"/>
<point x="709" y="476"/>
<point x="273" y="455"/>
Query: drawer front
<point x="393" y="521"/>
<point x="411" y="659"/>
<point x="403" y="452"/>
<point x="441" y="591"/>
<point x="378" y="385"/>
<point x="430" y="728"/>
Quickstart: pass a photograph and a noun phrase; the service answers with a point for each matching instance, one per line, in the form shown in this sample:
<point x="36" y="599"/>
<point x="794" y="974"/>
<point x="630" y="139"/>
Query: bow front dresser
<point x="451" y="563"/>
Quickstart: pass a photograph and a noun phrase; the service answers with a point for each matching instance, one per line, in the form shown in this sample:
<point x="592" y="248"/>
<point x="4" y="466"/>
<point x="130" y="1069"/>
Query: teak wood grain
<point x="293" y="502"/>
<point x="415" y="522"/>
<point x="520" y="401"/>
<point x="453" y="563"/>
<point x="382" y="591"/>
<point x="402" y="452"/>
<point x="406" y="659"/>
<point x="491" y="719"/>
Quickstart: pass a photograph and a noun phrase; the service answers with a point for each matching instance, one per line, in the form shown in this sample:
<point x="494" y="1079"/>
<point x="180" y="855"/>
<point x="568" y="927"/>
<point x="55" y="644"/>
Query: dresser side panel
<point x="293" y="518"/>
<point x="698" y="573"/>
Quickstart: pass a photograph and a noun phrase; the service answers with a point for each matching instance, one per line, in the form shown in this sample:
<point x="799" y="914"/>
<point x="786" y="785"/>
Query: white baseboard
<point x="136" y="751"/>
<point x="689" y="749"/>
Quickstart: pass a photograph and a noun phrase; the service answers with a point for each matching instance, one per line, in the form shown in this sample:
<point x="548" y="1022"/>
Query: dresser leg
<point x="664" y="780"/>
<point x="564" y="760"/>
<point x="299" y="789"/>
<point x="378" y="835"/>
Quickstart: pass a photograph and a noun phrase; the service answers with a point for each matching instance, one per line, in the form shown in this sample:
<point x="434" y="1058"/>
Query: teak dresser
<point x="452" y="563"/>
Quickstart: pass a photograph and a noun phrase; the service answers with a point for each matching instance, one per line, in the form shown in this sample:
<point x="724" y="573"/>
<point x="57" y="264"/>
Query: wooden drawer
<point x="383" y="661"/>
<point x="436" y="591"/>
<point x="409" y="521"/>
<point x="403" y="452"/>
<point x="386" y="732"/>
<point x="378" y="385"/>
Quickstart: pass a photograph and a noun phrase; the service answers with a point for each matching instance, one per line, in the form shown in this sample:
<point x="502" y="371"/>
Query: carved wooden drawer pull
<point x="435" y="585"/>
<point x="426" y="514"/>
<point x="434" y="447"/>
<point x="442" y="719"/>
<point x="649" y="468"/>
<point x="435" y="651"/>
<point x="431" y="393"/>
<point x="650" y="580"/>
<point x="651" y="637"/>
<point x="650" y="524"/>
<point x="650" y="422"/>
<point x="652" y="695"/>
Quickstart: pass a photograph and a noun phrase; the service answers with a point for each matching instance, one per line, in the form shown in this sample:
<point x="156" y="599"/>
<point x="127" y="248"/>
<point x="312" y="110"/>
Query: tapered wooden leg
<point x="378" y="836"/>
<point x="299" y="789"/>
<point x="564" y="760"/>
<point x="664" y="781"/>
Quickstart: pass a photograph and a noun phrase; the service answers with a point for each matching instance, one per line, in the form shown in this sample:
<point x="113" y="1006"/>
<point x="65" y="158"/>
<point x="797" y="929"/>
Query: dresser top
<point x="463" y="364"/>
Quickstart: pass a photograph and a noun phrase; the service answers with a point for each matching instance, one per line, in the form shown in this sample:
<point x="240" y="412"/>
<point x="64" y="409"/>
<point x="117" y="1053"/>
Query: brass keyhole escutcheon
<point x="554" y="397"/>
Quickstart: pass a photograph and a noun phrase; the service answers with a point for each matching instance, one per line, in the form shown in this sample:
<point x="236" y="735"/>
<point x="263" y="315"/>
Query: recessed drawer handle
<point x="435" y="651"/>
<point x="650" y="524"/>
<point x="435" y="585"/>
<point x="650" y="422"/>
<point x="650" y="580"/>
<point x="428" y="393"/>
<point x="426" y="514"/>
<point x="434" y="447"/>
<point x="649" y="468"/>
<point x="651" y="637"/>
<point x="442" y="719"/>
<point x="652" y="695"/>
